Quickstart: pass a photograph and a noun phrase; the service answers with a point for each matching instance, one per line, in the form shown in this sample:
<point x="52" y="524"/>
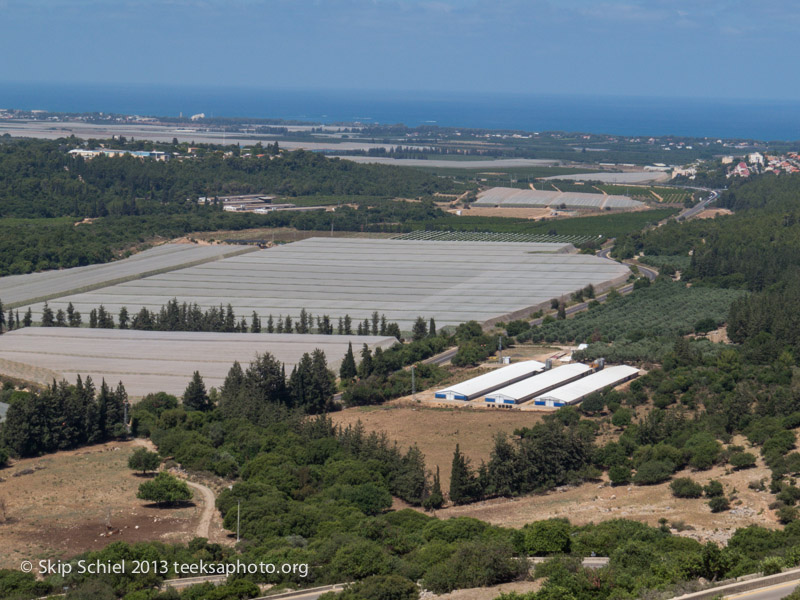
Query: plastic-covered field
<point x="452" y="282"/>
<point x="631" y="177"/>
<point x="478" y="236"/>
<point x="15" y="289"/>
<point x="502" y="196"/>
<point x="150" y="361"/>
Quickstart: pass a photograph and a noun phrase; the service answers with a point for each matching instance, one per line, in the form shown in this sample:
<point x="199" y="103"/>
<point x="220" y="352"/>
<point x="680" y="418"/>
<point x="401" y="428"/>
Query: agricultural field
<point x="279" y="235"/>
<point x="469" y="236"/>
<point x="662" y="309"/>
<point x="452" y="282"/>
<point x="604" y="225"/>
<point x="151" y="361"/>
<point x="623" y="178"/>
<point x="16" y="290"/>
<point x="680" y="261"/>
<point x="504" y="196"/>
<point x="62" y="503"/>
<point x="668" y="195"/>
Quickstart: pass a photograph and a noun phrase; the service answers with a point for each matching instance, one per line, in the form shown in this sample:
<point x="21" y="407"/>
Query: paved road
<point x="441" y="358"/>
<point x="773" y="592"/>
<point x="701" y="206"/>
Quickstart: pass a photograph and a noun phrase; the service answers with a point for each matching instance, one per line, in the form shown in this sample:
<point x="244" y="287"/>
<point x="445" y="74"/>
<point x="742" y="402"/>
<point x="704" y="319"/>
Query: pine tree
<point x="287" y="324"/>
<point x="411" y="483"/>
<point x="195" y="396"/>
<point x="347" y="370"/>
<point x="270" y="325"/>
<point x="419" y="330"/>
<point x="340" y="327"/>
<point x="279" y="327"/>
<point x="436" y="498"/>
<point x="462" y="480"/>
<point x="2" y="317"/>
<point x="61" y="318"/>
<point x="365" y="366"/>
<point x="230" y="319"/>
<point x="93" y="318"/>
<point x="27" y="320"/>
<point x="255" y="323"/>
<point x="123" y="318"/>
<point x="348" y="325"/>
<point x="47" y="316"/>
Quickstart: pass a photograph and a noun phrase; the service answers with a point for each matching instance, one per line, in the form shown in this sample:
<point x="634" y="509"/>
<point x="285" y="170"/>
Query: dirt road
<point x="204" y="526"/>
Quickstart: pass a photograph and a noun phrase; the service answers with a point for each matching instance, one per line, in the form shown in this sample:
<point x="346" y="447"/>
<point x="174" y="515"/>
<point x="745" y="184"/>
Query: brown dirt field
<point x="710" y="213"/>
<point x="596" y="502"/>
<point x="437" y="430"/>
<point x="60" y="509"/>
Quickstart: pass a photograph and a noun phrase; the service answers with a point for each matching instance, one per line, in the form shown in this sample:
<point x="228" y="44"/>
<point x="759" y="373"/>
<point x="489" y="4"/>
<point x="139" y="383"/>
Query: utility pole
<point x="238" y="517"/>
<point x="413" y="385"/>
<point x="500" y="349"/>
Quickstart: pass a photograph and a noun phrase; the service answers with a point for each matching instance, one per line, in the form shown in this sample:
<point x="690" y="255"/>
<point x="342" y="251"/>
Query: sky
<point x="665" y="48"/>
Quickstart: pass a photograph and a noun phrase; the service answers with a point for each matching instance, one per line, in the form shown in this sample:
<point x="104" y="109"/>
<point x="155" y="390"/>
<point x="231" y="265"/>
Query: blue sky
<point x="682" y="48"/>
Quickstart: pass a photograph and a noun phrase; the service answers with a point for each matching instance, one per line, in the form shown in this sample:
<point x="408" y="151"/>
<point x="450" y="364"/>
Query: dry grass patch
<point x="81" y="500"/>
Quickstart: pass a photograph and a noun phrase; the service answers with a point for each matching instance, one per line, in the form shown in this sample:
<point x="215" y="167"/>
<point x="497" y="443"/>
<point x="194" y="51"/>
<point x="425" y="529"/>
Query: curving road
<point x="209" y="500"/>
<point x="773" y="592"/>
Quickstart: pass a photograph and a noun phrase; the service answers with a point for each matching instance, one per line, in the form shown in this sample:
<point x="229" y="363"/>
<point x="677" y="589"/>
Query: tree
<point x="463" y="484"/>
<point x="619" y="475"/>
<point x="347" y="370"/>
<point x="742" y="460"/>
<point x="195" y="396"/>
<point x="2" y="317"/>
<point x="365" y="366"/>
<point x="27" y="320"/>
<point x="719" y="504"/>
<point x="48" y="319"/>
<point x="123" y="318"/>
<point x="164" y="489"/>
<point x="431" y="328"/>
<point x="419" y="330"/>
<point x="652" y="472"/>
<point x="686" y="487"/>
<point x="548" y="537"/>
<point x="436" y="498"/>
<point x="255" y="323"/>
<point x="143" y="460"/>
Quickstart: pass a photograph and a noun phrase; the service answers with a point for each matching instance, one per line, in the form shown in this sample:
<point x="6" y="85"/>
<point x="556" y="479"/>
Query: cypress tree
<point x="61" y="318"/>
<point x="2" y="317"/>
<point x="270" y="325"/>
<point x="432" y="328"/>
<point x="93" y="318"/>
<point x="10" y="320"/>
<point x="27" y="320"/>
<point x="255" y="323"/>
<point x="462" y="481"/>
<point x="419" y="330"/>
<point x="436" y="498"/>
<point x="347" y="370"/>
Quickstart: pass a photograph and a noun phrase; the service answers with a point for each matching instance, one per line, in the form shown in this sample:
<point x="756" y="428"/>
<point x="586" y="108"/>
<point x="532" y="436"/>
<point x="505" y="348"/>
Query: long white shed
<point x="483" y="384"/>
<point x="578" y="390"/>
<point x="537" y="385"/>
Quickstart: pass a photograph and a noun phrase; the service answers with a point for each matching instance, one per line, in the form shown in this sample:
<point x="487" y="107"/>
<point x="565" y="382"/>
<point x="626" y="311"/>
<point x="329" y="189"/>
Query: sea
<point x="766" y="120"/>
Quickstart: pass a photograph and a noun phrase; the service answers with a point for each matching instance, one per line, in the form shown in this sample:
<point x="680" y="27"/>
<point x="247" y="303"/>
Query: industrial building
<point x="576" y="391"/>
<point x="529" y="388"/>
<point x="489" y="382"/>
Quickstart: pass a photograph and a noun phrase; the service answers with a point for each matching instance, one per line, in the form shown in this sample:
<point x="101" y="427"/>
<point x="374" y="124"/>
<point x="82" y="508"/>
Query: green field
<point x="669" y="195"/>
<point x="663" y="309"/>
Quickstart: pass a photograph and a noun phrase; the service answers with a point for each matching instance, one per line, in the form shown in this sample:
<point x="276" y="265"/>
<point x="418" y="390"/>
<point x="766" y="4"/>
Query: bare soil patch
<point x="710" y="213"/>
<point x="436" y="431"/>
<point x="489" y="593"/>
<point x="599" y="501"/>
<point x="65" y="506"/>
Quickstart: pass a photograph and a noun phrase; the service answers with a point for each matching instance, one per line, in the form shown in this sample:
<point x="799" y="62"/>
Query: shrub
<point x="619" y="475"/>
<point x="143" y="460"/>
<point x="719" y="504"/>
<point x="652" y="472"/>
<point x="742" y="460"/>
<point x="378" y="587"/>
<point x="685" y="487"/>
<point x="3" y="457"/>
<point x="547" y="537"/>
<point x="713" y="489"/>
<point x="621" y="418"/>
<point x="771" y="565"/>
<point x="786" y="514"/>
<point x="164" y="489"/>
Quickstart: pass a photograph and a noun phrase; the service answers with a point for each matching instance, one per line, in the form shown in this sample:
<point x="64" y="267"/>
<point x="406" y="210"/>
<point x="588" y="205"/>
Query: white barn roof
<point x="578" y="390"/>
<point x="483" y="384"/>
<point x="538" y="384"/>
